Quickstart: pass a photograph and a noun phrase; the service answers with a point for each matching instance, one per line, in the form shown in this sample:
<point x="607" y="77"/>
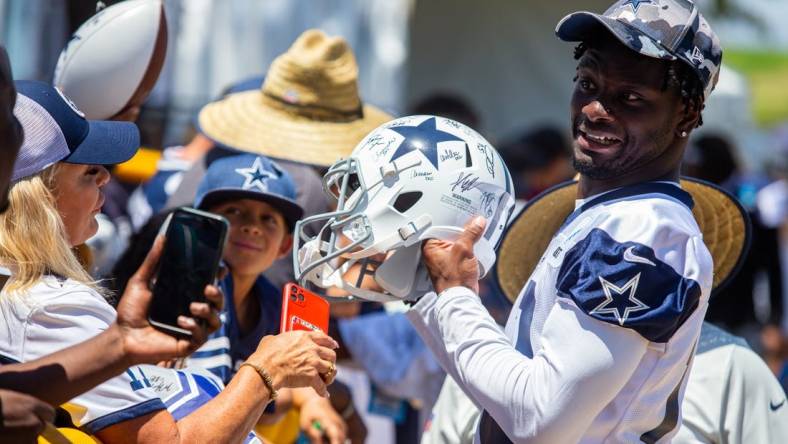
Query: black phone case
<point x="187" y="279"/>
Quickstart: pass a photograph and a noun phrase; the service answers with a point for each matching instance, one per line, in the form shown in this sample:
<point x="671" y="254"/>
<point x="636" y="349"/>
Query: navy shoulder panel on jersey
<point x="626" y="285"/>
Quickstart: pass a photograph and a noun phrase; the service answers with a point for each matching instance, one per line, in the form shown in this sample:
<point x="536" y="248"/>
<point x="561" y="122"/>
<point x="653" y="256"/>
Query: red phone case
<point x="303" y="310"/>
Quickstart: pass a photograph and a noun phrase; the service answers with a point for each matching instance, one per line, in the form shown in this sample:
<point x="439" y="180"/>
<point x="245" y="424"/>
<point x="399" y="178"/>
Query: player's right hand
<point x="297" y="359"/>
<point x="23" y="417"/>
<point x="453" y="264"/>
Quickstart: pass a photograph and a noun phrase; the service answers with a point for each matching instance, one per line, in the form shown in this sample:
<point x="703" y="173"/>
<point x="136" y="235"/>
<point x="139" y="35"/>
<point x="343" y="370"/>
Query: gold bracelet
<point x="269" y="383"/>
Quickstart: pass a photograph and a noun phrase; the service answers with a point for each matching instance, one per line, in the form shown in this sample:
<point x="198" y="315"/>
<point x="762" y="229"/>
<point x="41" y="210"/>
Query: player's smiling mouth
<point x="596" y="140"/>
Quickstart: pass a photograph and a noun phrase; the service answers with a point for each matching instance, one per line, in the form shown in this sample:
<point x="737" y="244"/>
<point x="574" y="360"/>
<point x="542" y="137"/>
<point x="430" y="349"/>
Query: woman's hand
<point x="298" y="359"/>
<point x="144" y="344"/>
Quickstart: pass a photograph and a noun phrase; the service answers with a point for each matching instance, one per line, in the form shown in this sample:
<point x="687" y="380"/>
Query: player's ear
<point x="285" y="246"/>
<point x="690" y="116"/>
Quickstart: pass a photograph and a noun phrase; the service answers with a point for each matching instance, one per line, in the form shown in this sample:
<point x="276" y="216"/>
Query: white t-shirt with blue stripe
<point x="58" y="313"/>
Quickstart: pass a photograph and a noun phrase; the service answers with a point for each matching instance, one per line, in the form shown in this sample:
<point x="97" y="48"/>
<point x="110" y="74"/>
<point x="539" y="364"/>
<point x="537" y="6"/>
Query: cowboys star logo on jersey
<point x="617" y="298"/>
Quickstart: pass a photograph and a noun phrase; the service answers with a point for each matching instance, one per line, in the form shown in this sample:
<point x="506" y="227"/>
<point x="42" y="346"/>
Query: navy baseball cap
<point x="662" y="29"/>
<point x="247" y="84"/>
<point x="249" y="176"/>
<point x="56" y="131"/>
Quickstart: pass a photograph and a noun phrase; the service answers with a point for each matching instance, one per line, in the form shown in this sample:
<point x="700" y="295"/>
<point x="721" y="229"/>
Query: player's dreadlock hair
<point x="678" y="75"/>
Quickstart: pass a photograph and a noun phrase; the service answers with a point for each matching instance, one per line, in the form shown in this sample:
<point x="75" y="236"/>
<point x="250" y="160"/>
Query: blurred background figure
<point x="772" y="202"/>
<point x="752" y="304"/>
<point x="538" y="159"/>
<point x="451" y="105"/>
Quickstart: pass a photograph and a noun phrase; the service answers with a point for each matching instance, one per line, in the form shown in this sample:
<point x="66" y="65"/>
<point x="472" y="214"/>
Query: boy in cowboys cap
<point x="258" y="198"/>
<point x="601" y="337"/>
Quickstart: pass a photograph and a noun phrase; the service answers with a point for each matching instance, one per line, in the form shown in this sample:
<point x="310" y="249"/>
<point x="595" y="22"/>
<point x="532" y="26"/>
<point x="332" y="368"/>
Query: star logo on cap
<point x="256" y="176"/>
<point x="636" y="4"/>
<point x="424" y="138"/>
<point x="616" y="304"/>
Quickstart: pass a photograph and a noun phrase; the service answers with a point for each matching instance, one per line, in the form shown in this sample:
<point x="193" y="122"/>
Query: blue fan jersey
<point x="227" y="348"/>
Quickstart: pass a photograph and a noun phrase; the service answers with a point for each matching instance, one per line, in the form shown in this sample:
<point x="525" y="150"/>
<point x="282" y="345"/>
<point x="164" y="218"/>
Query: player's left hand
<point x="453" y="264"/>
<point x="321" y="423"/>
<point x="142" y="343"/>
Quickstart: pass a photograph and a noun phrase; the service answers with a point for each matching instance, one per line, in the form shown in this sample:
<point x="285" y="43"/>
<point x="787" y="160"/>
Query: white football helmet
<point x="411" y="179"/>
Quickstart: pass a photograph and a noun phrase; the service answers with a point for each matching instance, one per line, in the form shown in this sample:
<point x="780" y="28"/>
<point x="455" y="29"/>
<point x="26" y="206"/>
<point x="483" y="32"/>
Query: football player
<point x="600" y="340"/>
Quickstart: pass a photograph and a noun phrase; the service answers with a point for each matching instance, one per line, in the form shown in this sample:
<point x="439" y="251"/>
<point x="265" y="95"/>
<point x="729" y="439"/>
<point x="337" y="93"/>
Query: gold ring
<point x="328" y="377"/>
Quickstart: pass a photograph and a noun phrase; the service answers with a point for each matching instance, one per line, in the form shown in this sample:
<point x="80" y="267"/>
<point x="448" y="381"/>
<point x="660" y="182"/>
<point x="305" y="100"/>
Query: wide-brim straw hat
<point x="723" y="222"/>
<point x="308" y="109"/>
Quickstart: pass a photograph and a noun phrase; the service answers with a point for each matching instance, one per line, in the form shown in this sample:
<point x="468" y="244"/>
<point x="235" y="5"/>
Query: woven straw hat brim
<point x="243" y="121"/>
<point x="723" y="222"/>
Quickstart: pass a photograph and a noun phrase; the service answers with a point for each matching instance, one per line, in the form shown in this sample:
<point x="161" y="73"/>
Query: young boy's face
<point x="258" y="235"/>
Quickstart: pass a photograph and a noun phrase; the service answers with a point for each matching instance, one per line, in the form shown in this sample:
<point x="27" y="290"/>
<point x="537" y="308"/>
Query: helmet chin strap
<point x="396" y="274"/>
<point x="485" y="255"/>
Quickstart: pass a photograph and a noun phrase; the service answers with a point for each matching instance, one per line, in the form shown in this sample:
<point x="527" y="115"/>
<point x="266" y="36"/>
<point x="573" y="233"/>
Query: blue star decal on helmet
<point x="617" y="304"/>
<point x="425" y="138"/>
<point x="635" y="3"/>
<point x="256" y="176"/>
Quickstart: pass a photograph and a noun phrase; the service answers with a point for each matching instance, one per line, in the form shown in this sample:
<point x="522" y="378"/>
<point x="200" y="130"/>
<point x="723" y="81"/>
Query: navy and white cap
<point x="56" y="131"/>
<point x="249" y="176"/>
<point x="663" y="29"/>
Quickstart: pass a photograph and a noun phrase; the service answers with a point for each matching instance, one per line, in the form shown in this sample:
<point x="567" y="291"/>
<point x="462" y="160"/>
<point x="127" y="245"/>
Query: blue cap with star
<point x="249" y="176"/>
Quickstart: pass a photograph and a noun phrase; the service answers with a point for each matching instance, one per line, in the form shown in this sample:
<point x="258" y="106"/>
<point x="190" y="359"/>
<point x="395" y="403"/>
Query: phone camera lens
<point x="301" y="297"/>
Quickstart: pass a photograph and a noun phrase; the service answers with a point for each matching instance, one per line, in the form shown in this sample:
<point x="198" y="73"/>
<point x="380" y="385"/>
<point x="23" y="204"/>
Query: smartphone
<point x="303" y="310"/>
<point x="190" y="260"/>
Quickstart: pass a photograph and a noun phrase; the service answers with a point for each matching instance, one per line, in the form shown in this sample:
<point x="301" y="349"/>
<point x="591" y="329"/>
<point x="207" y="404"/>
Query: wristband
<point x="265" y="377"/>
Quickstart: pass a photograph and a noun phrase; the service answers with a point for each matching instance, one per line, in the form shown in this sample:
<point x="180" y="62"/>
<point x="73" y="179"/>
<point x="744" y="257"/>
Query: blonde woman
<point x="50" y="303"/>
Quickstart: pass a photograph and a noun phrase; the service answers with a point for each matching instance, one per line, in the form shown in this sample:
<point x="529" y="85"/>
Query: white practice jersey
<point x="599" y="341"/>
<point x="57" y="313"/>
<point x="732" y="397"/>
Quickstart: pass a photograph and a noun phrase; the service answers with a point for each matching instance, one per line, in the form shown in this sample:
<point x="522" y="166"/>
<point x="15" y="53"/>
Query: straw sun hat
<point x="723" y="222"/>
<point x="308" y="109"/>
